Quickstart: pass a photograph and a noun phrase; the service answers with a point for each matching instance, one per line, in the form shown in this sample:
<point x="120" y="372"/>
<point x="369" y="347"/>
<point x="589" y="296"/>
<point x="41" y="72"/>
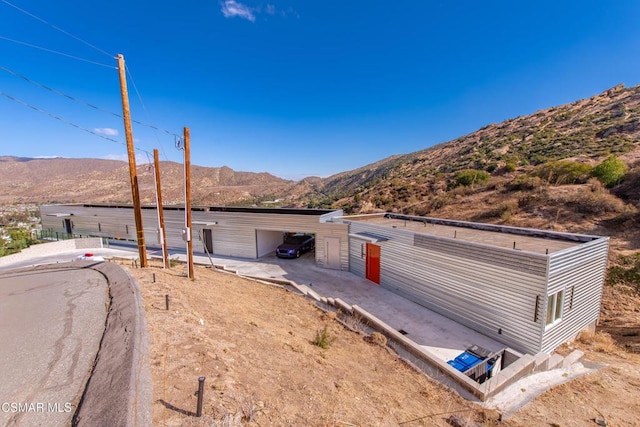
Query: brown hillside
<point x="61" y="180"/>
<point x="587" y="130"/>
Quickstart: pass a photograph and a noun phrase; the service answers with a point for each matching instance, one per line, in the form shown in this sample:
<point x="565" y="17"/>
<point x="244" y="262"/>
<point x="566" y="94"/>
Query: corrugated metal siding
<point x="234" y="234"/>
<point x="509" y="259"/>
<point x="357" y="253"/>
<point x="105" y="222"/>
<point x="333" y="230"/>
<point x="482" y="287"/>
<point x="580" y="273"/>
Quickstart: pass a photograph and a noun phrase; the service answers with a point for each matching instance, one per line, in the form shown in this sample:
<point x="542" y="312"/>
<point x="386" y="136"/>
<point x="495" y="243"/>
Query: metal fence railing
<point x="49" y="235"/>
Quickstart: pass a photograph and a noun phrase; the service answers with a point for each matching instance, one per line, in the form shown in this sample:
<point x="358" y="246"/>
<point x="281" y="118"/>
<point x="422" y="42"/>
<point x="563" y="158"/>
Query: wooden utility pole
<point x="126" y="114"/>
<point x="187" y="201"/>
<point x="161" y="231"/>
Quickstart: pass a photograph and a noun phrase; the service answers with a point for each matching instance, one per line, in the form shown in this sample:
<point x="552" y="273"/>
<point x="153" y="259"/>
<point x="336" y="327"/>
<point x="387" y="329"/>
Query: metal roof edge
<point x="522" y="231"/>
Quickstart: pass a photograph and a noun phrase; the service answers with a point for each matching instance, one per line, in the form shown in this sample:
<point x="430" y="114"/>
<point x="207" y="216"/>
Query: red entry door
<point x="373" y="263"/>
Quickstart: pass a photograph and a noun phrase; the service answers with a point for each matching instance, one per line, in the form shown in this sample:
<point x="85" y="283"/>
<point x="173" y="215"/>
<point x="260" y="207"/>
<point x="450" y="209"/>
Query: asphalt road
<point x="51" y="324"/>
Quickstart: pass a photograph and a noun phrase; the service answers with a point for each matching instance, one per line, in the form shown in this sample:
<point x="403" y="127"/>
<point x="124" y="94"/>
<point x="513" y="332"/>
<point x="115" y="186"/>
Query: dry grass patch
<point x="377" y="338"/>
<point x="255" y="347"/>
<point x="601" y="342"/>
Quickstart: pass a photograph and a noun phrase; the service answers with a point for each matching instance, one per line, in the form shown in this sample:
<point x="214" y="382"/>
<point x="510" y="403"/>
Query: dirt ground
<point x="254" y="344"/>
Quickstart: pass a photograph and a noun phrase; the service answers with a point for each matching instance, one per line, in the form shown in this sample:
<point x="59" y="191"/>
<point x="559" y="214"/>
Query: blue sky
<point x="297" y="88"/>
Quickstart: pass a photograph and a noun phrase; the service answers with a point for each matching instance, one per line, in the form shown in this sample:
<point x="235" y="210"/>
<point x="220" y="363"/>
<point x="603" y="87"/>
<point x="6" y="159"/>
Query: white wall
<point x="268" y="241"/>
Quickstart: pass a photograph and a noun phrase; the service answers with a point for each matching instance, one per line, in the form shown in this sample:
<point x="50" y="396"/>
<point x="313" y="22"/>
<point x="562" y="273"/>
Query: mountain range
<point x="423" y="183"/>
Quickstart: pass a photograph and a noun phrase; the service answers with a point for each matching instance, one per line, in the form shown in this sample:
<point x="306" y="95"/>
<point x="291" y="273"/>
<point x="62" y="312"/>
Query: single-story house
<point x="529" y="289"/>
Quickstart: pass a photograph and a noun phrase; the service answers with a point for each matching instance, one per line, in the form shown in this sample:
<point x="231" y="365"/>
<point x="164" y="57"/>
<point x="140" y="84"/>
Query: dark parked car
<point x="295" y="245"/>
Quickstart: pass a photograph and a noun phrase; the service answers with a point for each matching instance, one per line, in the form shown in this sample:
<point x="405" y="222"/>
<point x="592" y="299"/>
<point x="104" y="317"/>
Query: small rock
<point x="459" y="421"/>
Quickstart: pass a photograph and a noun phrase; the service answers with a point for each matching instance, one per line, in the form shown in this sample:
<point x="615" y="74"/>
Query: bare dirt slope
<point x="253" y="343"/>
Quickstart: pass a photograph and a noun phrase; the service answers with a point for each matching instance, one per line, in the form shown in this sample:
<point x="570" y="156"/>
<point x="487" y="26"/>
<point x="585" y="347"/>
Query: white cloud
<point x="122" y="157"/>
<point x="271" y="9"/>
<point x="106" y="131"/>
<point x="231" y="8"/>
<point x="141" y="158"/>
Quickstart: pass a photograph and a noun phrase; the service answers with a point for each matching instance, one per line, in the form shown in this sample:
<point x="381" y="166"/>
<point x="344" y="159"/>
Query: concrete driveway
<point x="51" y="324"/>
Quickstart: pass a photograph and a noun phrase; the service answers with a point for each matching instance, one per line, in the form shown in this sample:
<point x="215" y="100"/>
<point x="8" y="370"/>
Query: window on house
<point x="554" y="307"/>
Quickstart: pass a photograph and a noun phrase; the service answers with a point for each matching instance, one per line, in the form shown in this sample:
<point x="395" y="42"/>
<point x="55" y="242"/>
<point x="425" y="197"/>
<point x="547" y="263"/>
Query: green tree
<point x="611" y="171"/>
<point x="20" y="239"/>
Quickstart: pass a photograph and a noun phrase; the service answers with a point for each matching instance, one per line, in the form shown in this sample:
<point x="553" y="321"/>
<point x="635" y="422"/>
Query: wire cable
<point x="58" y="28"/>
<point x="79" y="101"/>
<point x="147" y="111"/>
<point x="81" y="59"/>
<point x="56" y="117"/>
<point x="55" y="51"/>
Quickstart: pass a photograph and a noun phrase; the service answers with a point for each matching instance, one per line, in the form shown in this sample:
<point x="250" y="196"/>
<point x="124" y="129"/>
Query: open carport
<point x="240" y="232"/>
<point x="268" y="241"/>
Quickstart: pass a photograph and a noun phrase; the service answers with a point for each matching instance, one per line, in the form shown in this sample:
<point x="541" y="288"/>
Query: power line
<point x="147" y="112"/>
<point x="54" y="116"/>
<point x="81" y="59"/>
<point x="57" y="92"/>
<point x="57" y="28"/>
<point x="54" y="51"/>
<point x="79" y="101"/>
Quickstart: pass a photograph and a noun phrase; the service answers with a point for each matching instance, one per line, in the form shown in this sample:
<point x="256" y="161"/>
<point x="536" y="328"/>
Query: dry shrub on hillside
<point x="439" y="202"/>
<point x="596" y="201"/>
<point x="625" y="271"/>
<point x="526" y="183"/>
<point x="629" y="189"/>
<point x="601" y="342"/>
<point x="376" y="338"/>
<point x="530" y="199"/>
<point x="463" y="191"/>
<point x="504" y="211"/>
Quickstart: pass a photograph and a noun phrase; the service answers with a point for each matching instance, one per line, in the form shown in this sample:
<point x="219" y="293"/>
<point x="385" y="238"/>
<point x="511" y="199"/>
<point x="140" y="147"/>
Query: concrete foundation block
<point x="346" y="308"/>
<point x="313" y="294"/>
<point x="555" y="361"/>
<point x="575" y="357"/>
<point x="541" y="362"/>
